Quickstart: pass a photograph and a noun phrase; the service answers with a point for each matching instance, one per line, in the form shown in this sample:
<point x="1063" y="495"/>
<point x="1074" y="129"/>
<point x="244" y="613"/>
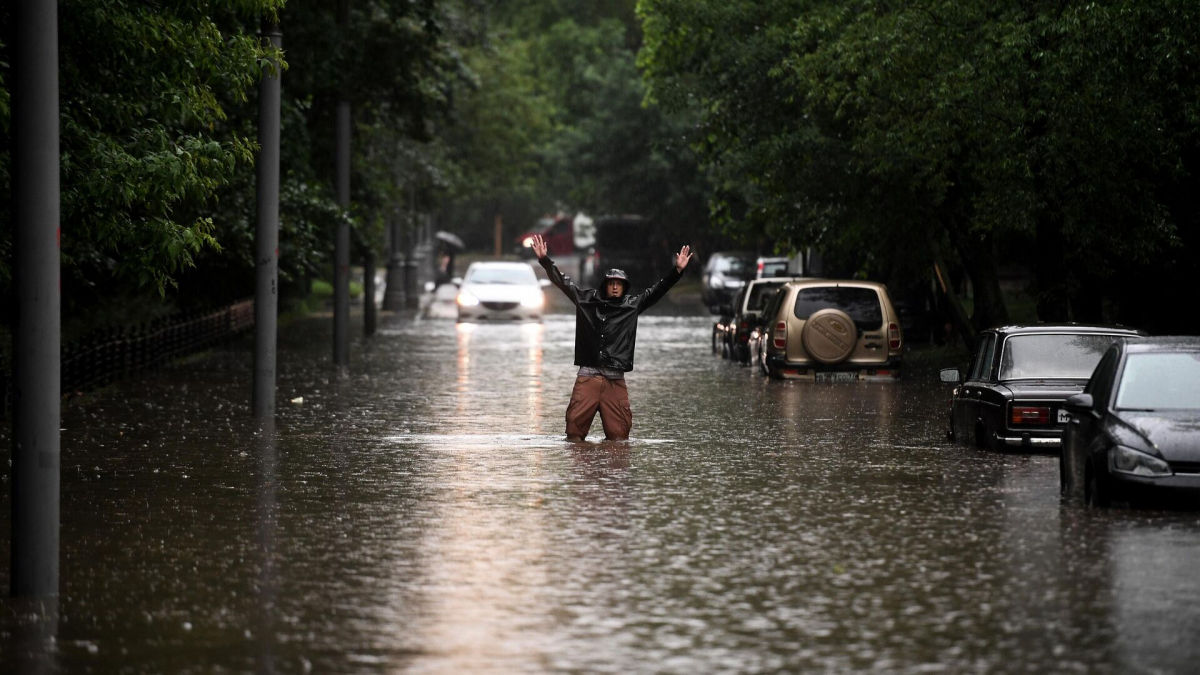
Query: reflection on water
<point x="426" y="514"/>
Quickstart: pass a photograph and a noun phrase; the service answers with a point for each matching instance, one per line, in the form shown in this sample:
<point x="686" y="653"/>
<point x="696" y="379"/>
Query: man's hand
<point x="539" y="246"/>
<point x="683" y="258"/>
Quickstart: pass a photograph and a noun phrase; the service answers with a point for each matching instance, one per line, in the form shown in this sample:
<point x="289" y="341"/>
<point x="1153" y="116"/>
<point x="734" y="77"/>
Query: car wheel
<point x="1097" y="486"/>
<point x="981" y="440"/>
<point x="829" y="336"/>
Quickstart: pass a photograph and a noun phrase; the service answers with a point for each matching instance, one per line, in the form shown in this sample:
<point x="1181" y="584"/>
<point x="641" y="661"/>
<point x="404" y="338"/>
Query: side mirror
<point x="457" y="281"/>
<point x="950" y="375"/>
<point x="1080" y="403"/>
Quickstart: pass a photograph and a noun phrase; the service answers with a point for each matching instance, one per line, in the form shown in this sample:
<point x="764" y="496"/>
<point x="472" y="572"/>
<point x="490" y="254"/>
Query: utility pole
<point x="266" y="235"/>
<point x="341" y="249"/>
<point x="37" y="339"/>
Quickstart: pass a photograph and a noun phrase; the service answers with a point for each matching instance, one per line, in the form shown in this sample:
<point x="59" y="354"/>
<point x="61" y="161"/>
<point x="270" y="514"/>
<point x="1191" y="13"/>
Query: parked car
<point x="831" y="330"/>
<point x="1013" y="394"/>
<point x="1135" y="428"/>
<point x="724" y="275"/>
<point x="501" y="291"/>
<point x="733" y="330"/>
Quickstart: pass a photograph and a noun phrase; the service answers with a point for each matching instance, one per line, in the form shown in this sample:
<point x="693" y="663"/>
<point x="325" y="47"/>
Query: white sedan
<point x="501" y="291"/>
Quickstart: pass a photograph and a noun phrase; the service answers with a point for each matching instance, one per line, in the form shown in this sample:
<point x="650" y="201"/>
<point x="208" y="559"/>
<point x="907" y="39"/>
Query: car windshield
<point x="1160" y="382"/>
<point x="732" y="266"/>
<point x="502" y="275"/>
<point x="1052" y="356"/>
<point x="861" y="304"/>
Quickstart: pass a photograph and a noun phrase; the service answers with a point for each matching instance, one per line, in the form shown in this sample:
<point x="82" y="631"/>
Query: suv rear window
<point x="861" y="304"/>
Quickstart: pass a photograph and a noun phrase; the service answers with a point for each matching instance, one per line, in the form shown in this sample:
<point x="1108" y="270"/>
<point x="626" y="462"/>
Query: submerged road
<point x="426" y="515"/>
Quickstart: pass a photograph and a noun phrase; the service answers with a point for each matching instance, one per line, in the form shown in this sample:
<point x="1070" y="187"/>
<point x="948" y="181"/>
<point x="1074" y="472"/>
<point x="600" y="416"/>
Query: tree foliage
<point x="892" y="134"/>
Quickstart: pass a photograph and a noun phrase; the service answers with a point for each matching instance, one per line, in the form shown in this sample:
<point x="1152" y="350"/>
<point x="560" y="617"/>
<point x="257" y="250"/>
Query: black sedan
<point x="1012" y="396"/>
<point x="1135" y="428"/>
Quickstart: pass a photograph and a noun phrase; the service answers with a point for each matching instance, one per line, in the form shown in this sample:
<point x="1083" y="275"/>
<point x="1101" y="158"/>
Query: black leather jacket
<point x="606" y="329"/>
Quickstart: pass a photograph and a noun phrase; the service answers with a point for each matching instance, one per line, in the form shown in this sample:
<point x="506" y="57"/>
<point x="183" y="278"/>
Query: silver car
<point x="501" y="291"/>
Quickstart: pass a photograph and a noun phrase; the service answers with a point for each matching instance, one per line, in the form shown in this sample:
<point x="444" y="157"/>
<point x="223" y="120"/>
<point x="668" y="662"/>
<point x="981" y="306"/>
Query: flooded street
<point x="426" y="515"/>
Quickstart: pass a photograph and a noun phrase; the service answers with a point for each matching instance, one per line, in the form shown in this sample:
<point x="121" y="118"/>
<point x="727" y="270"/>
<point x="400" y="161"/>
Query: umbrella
<point x="448" y="238"/>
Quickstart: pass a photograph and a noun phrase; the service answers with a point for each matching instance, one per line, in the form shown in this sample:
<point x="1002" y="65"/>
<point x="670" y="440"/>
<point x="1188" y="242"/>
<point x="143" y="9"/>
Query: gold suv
<point x="830" y="330"/>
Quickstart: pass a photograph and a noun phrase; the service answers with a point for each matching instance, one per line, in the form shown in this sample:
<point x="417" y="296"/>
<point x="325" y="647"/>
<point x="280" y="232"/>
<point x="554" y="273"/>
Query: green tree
<point x="146" y="138"/>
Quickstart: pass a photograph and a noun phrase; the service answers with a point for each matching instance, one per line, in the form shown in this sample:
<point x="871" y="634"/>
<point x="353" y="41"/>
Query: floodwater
<point x="425" y="515"/>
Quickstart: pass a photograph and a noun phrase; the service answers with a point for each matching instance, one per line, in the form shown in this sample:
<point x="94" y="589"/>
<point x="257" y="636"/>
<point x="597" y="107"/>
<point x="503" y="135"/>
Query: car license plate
<point x="1063" y="416"/>
<point x="838" y="376"/>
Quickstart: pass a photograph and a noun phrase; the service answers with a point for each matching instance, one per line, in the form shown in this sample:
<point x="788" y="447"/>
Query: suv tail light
<point x="893" y="336"/>
<point x="779" y="336"/>
<point x="1028" y="414"/>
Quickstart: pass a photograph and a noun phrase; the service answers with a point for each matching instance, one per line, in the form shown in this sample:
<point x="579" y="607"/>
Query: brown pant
<point x="609" y="397"/>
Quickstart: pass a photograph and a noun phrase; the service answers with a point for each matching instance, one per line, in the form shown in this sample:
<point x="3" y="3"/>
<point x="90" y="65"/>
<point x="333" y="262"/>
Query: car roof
<point x="772" y="280"/>
<point x="1164" y="343"/>
<point x="816" y="282"/>
<point x="1065" y="327"/>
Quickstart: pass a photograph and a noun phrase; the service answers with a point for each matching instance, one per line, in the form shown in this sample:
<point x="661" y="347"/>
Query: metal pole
<point x="266" y="290"/>
<point x="37" y="339"/>
<point x="341" y="249"/>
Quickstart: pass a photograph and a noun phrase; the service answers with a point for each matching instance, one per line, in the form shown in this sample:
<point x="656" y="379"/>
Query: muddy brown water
<point x="424" y="514"/>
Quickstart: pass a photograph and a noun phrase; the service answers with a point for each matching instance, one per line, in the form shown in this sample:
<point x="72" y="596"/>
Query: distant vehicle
<point x="632" y="244"/>
<point x="830" y="330"/>
<point x="1134" y="430"/>
<point x="772" y="266"/>
<point x="731" y="333"/>
<point x="1012" y="397"/>
<point x="564" y="235"/>
<point x="724" y="275"/>
<point x="501" y="291"/>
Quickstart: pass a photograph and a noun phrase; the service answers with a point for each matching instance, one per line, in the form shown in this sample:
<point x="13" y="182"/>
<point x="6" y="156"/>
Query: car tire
<point x="829" y="336"/>
<point x="981" y="437"/>
<point x="1097" y="486"/>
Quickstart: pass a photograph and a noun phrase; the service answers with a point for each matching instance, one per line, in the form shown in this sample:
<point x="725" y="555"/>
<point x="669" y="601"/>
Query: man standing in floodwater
<point x="605" y="331"/>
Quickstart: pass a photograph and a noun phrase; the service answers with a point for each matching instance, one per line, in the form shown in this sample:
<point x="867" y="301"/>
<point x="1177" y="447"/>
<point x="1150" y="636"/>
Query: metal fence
<point x="110" y="355"/>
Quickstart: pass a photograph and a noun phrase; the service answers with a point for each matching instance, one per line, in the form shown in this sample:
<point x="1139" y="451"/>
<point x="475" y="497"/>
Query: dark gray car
<point x="1135" y="428"/>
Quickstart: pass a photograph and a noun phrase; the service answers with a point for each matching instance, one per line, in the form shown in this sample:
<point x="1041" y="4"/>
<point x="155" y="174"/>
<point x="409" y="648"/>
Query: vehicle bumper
<point x="499" y="316"/>
<point x="842" y="372"/>
<point x="1029" y="441"/>
<point x="1178" y="481"/>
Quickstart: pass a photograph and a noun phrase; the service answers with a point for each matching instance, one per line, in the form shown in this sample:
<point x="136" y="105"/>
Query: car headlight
<point x="465" y="299"/>
<point x="533" y="300"/>
<point x="1128" y="460"/>
<point x="527" y="242"/>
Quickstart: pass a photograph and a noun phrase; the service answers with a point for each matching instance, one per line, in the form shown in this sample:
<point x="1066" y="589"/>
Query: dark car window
<point x="861" y="304"/>
<point x="1160" y="382"/>
<point x="981" y="368"/>
<point x="760" y="294"/>
<point x="1100" y="384"/>
<point x="774" y="301"/>
<point x="1051" y="356"/>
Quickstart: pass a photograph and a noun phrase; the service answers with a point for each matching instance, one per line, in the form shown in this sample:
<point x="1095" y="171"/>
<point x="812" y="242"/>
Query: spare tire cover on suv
<point x="829" y="336"/>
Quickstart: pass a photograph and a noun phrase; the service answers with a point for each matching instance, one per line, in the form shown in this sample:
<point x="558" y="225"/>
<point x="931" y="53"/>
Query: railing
<point x="107" y="356"/>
